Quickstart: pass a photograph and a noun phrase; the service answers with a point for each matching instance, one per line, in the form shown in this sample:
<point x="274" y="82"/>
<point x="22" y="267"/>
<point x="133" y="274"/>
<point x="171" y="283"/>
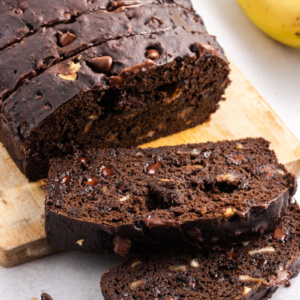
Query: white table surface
<point x="275" y="72"/>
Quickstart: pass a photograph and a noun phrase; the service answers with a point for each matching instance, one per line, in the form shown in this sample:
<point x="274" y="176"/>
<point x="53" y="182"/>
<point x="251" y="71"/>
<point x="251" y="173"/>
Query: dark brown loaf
<point x="104" y="95"/>
<point x="50" y="45"/>
<point x="253" y="271"/>
<point x="201" y="194"/>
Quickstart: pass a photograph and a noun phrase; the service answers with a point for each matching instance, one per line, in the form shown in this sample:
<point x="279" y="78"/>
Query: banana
<point x="280" y="19"/>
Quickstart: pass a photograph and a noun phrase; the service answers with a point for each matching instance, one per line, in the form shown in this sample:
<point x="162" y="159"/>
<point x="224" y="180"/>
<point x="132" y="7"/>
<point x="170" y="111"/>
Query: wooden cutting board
<point x="243" y="114"/>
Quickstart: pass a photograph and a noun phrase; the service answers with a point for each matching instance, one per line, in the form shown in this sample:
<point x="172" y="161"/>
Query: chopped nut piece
<point x="246" y="290"/>
<point x="263" y="250"/>
<point x="236" y="159"/>
<point x="93" y="117"/>
<point x="194" y="263"/>
<point x="247" y="278"/>
<point x="246" y="243"/>
<point x="168" y="183"/>
<point x="268" y="172"/>
<point x="229" y="178"/>
<point x="240" y="146"/>
<point x="139" y="154"/>
<point x="136" y="263"/>
<point x="203" y="210"/>
<point x="150" y="133"/>
<point x="193" y="167"/>
<point x="87" y="128"/>
<point x="280" y="172"/>
<point x="104" y="189"/>
<point x="122" y="199"/>
<point x="195" y="152"/>
<point x="136" y="284"/>
<point x="178" y="268"/>
<point x="229" y="212"/>
<point x="80" y="242"/>
<point x="74" y="68"/>
<point x="121" y="245"/>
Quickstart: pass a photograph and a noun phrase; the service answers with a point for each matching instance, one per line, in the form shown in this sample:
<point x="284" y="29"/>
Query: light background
<point x="273" y="69"/>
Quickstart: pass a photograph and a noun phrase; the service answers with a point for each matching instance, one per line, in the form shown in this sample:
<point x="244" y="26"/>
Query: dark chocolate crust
<point x="253" y="271"/>
<point x="20" y="19"/>
<point x="206" y="195"/>
<point x="50" y="45"/>
<point x="104" y="96"/>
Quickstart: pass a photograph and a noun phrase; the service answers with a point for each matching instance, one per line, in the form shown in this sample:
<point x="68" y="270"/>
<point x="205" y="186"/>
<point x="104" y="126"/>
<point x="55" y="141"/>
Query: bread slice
<point x="250" y="271"/>
<point x="200" y="194"/>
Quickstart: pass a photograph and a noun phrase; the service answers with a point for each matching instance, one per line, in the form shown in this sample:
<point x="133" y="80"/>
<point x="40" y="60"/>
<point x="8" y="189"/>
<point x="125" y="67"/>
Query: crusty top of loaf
<point x="178" y="43"/>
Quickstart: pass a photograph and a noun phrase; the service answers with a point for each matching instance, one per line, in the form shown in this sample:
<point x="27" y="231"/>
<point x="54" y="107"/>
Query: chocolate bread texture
<point x="122" y="75"/>
<point x="252" y="271"/>
<point x="205" y="195"/>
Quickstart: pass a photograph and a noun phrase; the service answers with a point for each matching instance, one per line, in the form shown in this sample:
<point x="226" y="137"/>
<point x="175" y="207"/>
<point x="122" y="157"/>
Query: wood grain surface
<point x="243" y="114"/>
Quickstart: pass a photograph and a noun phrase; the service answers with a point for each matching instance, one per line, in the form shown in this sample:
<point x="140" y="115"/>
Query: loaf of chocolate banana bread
<point x="211" y="194"/>
<point x="252" y="271"/>
<point x="104" y="74"/>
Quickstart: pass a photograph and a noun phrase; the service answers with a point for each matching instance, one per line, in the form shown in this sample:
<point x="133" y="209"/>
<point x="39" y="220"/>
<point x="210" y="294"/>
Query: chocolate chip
<point x="65" y="179"/>
<point x="231" y="254"/>
<point x="82" y="160"/>
<point x="18" y="11"/>
<point x="267" y="172"/>
<point x="48" y="106"/>
<point x="153" y="168"/>
<point x="152" y="221"/>
<point x="101" y="64"/>
<point x="279" y="234"/>
<point x="152" y="54"/>
<point x="92" y="181"/>
<point x="261" y="262"/>
<point x="65" y="38"/>
<point x="67" y="16"/>
<point x="121" y="245"/>
<point x="106" y="171"/>
<point x="46" y="296"/>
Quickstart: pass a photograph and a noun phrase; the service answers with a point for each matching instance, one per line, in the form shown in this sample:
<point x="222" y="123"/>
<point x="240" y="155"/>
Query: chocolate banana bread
<point x="126" y="74"/>
<point x="252" y="271"/>
<point x="133" y="199"/>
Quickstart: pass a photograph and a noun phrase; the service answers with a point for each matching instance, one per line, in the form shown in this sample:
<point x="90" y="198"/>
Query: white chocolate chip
<point x="247" y="278"/>
<point x="240" y="146"/>
<point x="136" y="284"/>
<point x="229" y="212"/>
<point x="261" y="251"/>
<point x="180" y="268"/>
<point x="135" y="263"/>
<point x="246" y="290"/>
<point x="74" y="68"/>
<point x="80" y="242"/>
<point x="194" y="263"/>
<point x="124" y="198"/>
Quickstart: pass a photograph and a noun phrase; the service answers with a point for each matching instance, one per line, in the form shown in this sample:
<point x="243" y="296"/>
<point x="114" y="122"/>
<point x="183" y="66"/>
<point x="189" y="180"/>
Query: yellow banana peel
<point x="280" y="19"/>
